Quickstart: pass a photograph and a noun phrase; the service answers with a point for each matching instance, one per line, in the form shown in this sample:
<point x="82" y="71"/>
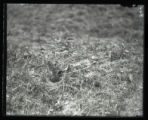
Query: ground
<point x="84" y="60"/>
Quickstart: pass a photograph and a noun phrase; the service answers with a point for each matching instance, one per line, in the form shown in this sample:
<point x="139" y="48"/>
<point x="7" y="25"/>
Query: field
<point x="84" y="60"/>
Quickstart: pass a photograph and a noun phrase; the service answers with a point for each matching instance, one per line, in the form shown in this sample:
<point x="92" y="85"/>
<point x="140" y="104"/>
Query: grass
<point x="84" y="60"/>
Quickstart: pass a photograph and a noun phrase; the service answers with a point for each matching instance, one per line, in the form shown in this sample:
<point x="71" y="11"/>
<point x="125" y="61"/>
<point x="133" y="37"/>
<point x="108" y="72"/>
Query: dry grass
<point x="84" y="60"/>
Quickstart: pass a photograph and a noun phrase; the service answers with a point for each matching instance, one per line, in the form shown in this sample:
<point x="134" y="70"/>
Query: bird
<point x="56" y="72"/>
<point x="60" y="73"/>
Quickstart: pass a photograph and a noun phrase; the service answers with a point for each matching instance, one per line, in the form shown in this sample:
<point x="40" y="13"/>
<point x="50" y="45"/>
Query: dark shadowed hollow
<point x="84" y="60"/>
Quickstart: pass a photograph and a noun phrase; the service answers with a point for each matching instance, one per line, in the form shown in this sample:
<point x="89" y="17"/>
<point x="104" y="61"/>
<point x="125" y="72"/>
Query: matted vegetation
<point x="84" y="60"/>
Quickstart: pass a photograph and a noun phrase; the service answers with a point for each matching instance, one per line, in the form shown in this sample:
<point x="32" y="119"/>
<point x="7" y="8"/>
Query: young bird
<point x="56" y="72"/>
